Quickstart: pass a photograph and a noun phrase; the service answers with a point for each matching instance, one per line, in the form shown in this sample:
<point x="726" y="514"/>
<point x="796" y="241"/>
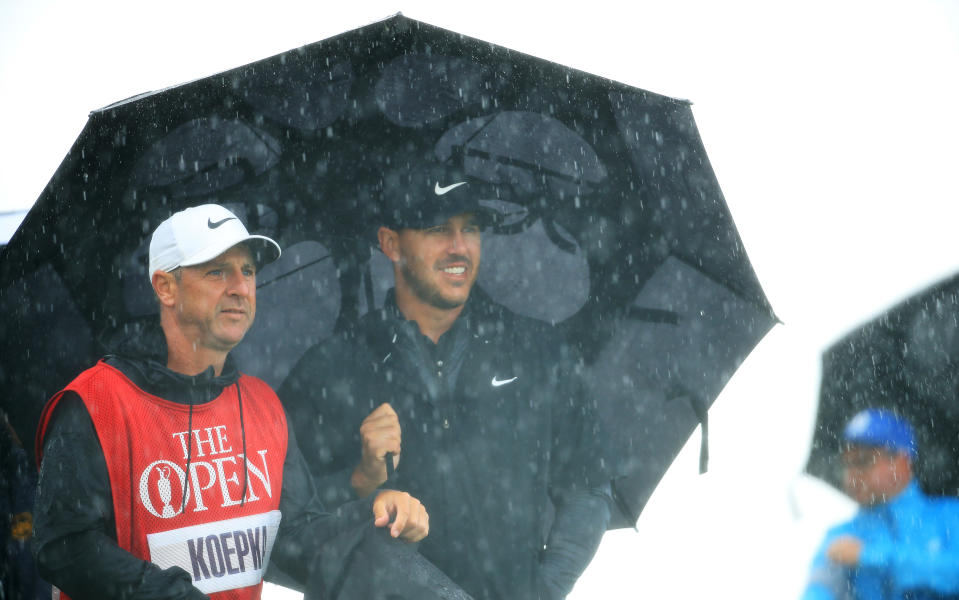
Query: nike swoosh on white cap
<point x="440" y="190"/>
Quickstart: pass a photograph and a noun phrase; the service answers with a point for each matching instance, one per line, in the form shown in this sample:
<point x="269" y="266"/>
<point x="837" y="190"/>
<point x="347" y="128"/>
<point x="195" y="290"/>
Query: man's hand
<point x="845" y="550"/>
<point x="380" y="433"/>
<point x="405" y="515"/>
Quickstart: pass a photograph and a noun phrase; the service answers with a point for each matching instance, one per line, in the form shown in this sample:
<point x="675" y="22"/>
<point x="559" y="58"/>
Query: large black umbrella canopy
<point x="905" y="360"/>
<point x="614" y="226"/>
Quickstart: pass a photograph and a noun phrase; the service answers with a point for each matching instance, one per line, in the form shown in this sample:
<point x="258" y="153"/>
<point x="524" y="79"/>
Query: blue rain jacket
<point x="910" y="551"/>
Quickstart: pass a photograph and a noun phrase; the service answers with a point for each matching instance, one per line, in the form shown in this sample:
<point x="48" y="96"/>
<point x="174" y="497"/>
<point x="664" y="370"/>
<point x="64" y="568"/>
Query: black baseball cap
<point x="423" y="195"/>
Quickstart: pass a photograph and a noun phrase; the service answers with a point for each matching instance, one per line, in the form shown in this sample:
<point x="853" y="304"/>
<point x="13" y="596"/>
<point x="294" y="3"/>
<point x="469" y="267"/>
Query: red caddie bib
<point x="218" y="534"/>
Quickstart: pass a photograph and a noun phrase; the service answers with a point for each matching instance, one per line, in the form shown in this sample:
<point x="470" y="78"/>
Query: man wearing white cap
<point x="166" y="473"/>
<point x="901" y="543"/>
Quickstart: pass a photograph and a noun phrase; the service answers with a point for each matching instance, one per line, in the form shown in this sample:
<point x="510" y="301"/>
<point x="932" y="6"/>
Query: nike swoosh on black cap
<point x="427" y="193"/>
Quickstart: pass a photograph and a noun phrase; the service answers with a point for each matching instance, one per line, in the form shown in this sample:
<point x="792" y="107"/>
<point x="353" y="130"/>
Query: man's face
<point x="874" y="475"/>
<point x="216" y="301"/>
<point x="439" y="264"/>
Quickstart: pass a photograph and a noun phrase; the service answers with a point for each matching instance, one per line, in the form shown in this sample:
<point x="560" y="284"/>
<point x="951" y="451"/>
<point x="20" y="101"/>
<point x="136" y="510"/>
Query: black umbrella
<point x="615" y="227"/>
<point x="906" y="360"/>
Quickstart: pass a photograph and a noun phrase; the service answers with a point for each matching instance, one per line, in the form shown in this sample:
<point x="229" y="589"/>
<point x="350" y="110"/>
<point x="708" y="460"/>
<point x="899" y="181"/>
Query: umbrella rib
<point x="515" y="162"/>
<point x="264" y="140"/>
<point x="477" y="132"/>
<point x="288" y="273"/>
<point x="510" y="161"/>
<point x="653" y="315"/>
<point x="730" y="285"/>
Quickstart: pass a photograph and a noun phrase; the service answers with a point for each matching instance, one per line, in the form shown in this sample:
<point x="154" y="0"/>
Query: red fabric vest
<point x="222" y="542"/>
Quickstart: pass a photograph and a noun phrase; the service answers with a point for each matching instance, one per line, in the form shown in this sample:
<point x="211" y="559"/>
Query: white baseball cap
<point x="201" y="233"/>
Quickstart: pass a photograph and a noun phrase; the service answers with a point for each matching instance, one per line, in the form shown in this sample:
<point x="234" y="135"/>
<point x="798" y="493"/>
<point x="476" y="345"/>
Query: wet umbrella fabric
<point x="906" y="360"/>
<point x="614" y="226"/>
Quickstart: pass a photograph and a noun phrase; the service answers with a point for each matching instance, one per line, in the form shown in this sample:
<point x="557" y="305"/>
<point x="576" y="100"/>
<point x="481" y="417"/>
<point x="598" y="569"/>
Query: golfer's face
<point x="440" y="264"/>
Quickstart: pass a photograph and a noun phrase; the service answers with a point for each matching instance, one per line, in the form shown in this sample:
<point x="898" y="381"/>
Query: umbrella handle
<point x="390" y="469"/>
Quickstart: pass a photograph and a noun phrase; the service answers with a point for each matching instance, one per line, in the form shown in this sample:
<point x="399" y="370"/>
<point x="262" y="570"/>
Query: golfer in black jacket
<point x="479" y="410"/>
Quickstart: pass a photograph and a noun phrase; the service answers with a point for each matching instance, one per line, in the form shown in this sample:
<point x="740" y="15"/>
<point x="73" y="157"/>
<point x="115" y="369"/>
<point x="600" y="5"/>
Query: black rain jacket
<point x="497" y="433"/>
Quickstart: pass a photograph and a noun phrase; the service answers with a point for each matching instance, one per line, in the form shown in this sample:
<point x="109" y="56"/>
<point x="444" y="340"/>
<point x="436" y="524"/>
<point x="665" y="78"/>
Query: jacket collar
<point x="480" y="314"/>
<point x="139" y="351"/>
<point x="392" y="337"/>
<point x="908" y="497"/>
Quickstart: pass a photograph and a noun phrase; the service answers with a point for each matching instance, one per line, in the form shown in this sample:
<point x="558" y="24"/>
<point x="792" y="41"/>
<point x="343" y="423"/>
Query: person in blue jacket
<point x="901" y="543"/>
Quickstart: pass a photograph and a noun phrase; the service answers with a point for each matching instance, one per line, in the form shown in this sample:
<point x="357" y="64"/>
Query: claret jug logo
<point x="215" y="475"/>
<point x="163" y="486"/>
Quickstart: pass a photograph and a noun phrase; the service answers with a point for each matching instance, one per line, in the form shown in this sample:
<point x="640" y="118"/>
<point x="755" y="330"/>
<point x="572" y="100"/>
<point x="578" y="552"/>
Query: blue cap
<point x="881" y="428"/>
